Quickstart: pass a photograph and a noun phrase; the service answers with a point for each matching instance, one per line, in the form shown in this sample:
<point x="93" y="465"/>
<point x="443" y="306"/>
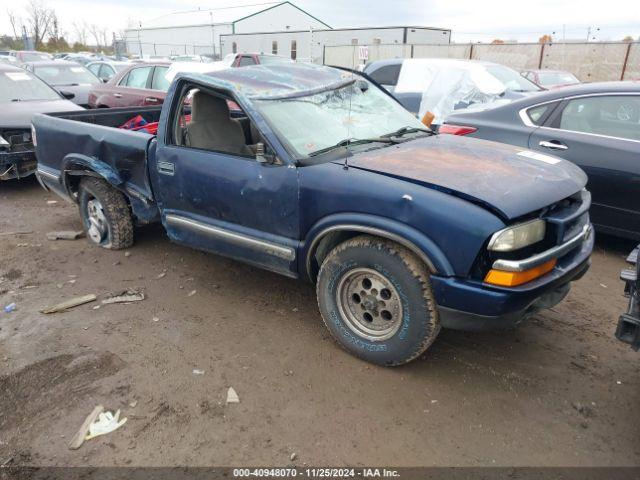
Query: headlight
<point x="33" y="136"/>
<point x="517" y="236"/>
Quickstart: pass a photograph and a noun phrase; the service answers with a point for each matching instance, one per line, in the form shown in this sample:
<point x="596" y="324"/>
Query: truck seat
<point x="211" y="127"/>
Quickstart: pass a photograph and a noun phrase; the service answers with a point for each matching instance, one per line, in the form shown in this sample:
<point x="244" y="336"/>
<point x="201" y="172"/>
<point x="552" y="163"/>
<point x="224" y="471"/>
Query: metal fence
<point x="589" y="61"/>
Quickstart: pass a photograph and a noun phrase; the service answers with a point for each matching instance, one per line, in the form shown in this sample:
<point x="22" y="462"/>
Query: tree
<point x="40" y="20"/>
<point x="80" y="30"/>
<point x="497" y="41"/>
<point x="99" y="34"/>
<point x="546" y="38"/>
<point x="628" y="39"/>
<point x="16" y="23"/>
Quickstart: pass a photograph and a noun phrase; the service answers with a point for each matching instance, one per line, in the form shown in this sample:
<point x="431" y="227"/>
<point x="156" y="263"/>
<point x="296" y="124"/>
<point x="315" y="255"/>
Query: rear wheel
<point x="106" y="217"/>
<point x="376" y="300"/>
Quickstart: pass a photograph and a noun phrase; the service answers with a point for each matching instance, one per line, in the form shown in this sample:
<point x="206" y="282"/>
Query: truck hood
<point x="18" y="114"/>
<point x="510" y="181"/>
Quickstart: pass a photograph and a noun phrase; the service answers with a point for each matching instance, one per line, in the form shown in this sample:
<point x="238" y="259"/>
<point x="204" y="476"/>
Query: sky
<point x="469" y="20"/>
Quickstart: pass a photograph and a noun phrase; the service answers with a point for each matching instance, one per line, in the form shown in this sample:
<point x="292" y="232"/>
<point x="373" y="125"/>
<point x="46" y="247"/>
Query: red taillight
<point x="456" y="129"/>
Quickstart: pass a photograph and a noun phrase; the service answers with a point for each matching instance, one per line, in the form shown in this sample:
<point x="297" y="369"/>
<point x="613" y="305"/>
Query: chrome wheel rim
<point x="97" y="226"/>
<point x="369" y="304"/>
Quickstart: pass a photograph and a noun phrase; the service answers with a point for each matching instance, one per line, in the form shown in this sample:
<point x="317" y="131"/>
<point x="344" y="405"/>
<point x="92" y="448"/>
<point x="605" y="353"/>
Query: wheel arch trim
<point x="418" y="243"/>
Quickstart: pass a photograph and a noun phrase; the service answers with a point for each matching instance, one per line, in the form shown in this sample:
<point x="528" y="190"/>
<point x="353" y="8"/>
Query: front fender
<point x="384" y="227"/>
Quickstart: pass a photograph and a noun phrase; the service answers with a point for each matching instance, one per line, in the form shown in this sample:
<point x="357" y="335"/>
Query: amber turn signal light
<point x="513" y="279"/>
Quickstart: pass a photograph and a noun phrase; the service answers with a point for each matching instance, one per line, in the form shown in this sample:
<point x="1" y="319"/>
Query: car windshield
<point x="556" y="78"/>
<point x="511" y="79"/>
<point x="66" y="75"/>
<point x="22" y="87"/>
<point x="358" y="111"/>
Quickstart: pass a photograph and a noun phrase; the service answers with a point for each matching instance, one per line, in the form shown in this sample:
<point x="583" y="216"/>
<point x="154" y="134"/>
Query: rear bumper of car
<point x="474" y="305"/>
<point x="17" y="164"/>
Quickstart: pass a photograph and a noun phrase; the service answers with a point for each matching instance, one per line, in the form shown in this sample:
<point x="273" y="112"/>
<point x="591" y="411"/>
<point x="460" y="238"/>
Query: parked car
<point x="190" y="58"/>
<point x="106" y="70"/>
<point x="66" y="76"/>
<point x="595" y="125"/>
<point x="140" y="84"/>
<point x="628" y="330"/>
<point x="550" y="78"/>
<point x="442" y="85"/>
<point x="23" y="56"/>
<point x="328" y="178"/>
<point x="82" y="59"/>
<point x="246" y="59"/>
<point x="21" y="95"/>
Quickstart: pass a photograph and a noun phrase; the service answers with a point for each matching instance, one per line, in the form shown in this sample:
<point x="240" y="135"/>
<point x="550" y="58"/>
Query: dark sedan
<point x="21" y="96"/>
<point x="66" y="77"/>
<point x="596" y="126"/>
<point x="141" y="84"/>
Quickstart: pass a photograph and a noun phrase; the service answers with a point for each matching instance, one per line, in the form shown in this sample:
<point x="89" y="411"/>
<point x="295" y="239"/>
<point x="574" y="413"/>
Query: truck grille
<point x="17" y="140"/>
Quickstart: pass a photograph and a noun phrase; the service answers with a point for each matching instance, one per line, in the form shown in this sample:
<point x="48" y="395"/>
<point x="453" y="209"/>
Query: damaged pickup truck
<point x="21" y="95"/>
<point x="325" y="177"/>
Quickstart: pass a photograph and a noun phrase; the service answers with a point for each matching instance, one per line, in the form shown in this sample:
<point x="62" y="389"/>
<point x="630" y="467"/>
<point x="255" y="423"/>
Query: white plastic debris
<point x="107" y="422"/>
<point x="191" y="293"/>
<point x="232" y="396"/>
<point x="197" y="371"/>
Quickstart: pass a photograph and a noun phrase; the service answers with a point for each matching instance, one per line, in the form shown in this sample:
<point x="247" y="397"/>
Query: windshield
<point x="66" y="75"/>
<point x="556" y="78"/>
<point x="22" y="87"/>
<point x="315" y="122"/>
<point x="511" y="79"/>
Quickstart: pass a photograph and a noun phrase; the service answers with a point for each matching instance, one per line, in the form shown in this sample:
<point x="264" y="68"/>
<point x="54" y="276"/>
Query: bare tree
<point x="39" y="19"/>
<point x="16" y="23"/>
<point x="80" y="30"/>
<point x="100" y="35"/>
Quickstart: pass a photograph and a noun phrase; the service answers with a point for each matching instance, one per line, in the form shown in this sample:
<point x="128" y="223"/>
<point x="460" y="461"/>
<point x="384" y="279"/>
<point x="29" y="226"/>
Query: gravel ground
<point x="559" y="390"/>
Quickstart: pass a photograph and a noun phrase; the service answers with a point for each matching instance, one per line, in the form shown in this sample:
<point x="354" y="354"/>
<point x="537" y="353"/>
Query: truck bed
<point x="92" y="139"/>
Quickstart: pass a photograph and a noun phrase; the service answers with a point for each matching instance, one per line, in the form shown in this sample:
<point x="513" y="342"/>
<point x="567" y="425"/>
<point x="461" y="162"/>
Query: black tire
<point x="118" y="221"/>
<point x="417" y="320"/>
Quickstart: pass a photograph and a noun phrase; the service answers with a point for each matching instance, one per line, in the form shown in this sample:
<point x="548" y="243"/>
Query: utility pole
<point x="139" y="42"/>
<point x="213" y="41"/>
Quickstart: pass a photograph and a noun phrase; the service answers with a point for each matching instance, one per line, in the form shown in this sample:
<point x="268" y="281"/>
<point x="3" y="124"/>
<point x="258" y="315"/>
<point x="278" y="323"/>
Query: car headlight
<point x="518" y="236"/>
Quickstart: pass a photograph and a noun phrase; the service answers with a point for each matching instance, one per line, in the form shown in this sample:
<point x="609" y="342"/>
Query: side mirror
<point x="105" y="80"/>
<point x="67" y="95"/>
<point x="262" y="157"/>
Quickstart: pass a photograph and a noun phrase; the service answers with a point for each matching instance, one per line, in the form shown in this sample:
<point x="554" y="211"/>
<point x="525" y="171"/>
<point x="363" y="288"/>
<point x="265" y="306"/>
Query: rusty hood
<point x="508" y="180"/>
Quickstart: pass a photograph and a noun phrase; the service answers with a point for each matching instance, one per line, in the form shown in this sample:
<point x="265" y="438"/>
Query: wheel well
<point x="321" y="248"/>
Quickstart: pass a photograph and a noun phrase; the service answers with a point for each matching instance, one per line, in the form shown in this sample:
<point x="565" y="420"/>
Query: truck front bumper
<point x="17" y="164"/>
<point x="473" y="305"/>
<point x="628" y="330"/>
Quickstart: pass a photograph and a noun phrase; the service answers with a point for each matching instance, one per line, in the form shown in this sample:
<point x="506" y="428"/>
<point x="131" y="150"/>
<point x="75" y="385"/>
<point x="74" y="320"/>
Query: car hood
<point x="18" y="114"/>
<point x="507" y="180"/>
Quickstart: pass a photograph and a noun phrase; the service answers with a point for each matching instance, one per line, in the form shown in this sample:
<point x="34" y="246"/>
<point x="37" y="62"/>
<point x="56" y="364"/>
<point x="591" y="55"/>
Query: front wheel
<point x="376" y="300"/>
<point x="105" y="213"/>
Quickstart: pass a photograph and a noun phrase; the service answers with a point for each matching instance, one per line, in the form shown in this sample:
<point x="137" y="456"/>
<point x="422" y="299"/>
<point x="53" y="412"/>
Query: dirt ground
<point x="559" y="390"/>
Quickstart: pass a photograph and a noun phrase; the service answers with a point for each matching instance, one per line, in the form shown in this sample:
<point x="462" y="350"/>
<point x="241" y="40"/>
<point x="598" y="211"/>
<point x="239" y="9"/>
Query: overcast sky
<point x="469" y="20"/>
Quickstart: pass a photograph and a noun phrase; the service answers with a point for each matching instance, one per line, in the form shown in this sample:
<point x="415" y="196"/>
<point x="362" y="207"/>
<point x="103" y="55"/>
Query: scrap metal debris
<point x="65" y="235"/>
<point x="124" y="296"/>
<point x="232" y="396"/>
<point x="74" y="302"/>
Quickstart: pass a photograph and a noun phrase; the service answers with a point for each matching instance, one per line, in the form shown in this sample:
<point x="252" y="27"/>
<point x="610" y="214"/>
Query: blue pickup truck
<point x="319" y="174"/>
